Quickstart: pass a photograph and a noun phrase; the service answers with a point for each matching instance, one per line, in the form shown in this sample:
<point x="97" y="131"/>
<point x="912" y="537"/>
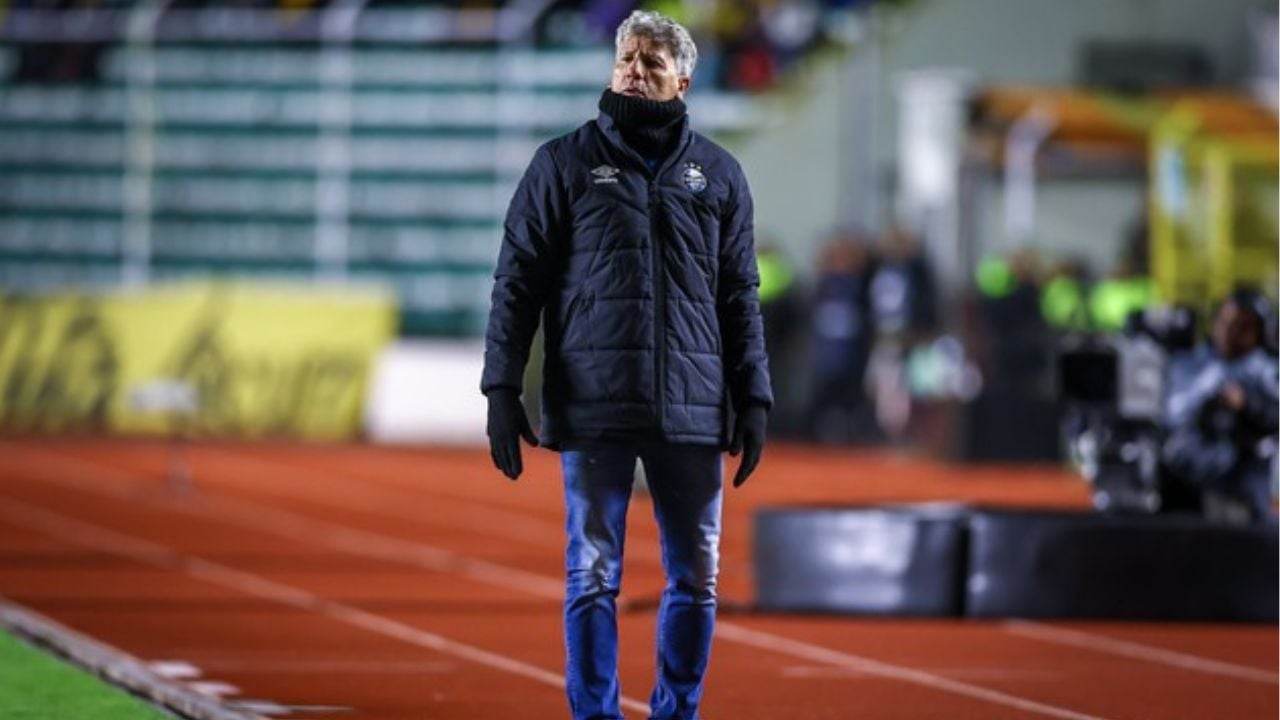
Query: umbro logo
<point x="605" y="174"/>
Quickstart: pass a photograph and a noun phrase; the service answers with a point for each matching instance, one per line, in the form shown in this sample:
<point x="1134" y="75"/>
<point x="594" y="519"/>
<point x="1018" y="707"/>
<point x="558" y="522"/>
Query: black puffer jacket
<point x="646" y="281"/>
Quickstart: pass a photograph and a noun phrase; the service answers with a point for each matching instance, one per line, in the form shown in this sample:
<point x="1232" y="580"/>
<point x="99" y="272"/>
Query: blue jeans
<point x="685" y="482"/>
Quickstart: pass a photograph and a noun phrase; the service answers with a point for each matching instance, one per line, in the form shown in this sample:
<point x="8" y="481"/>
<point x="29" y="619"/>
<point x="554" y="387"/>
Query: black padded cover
<point x="1095" y="565"/>
<point x="900" y="560"/>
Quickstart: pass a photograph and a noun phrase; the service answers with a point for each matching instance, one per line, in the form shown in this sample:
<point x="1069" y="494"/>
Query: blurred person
<point x="781" y="309"/>
<point x="777" y="296"/>
<point x="841" y="342"/>
<point x="1063" y="301"/>
<point x="61" y="61"/>
<point x="1016" y="330"/>
<point x="1113" y="298"/>
<point x="903" y="295"/>
<point x="1013" y="417"/>
<point x="902" y="311"/>
<point x="1129" y="287"/>
<point x="632" y="238"/>
<point x="1221" y="414"/>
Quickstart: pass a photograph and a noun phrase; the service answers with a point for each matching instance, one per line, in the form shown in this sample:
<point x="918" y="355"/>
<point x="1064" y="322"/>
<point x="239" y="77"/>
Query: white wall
<point x="1085" y="220"/>
<point x="1036" y="40"/>
<point x="794" y="167"/>
<point x="427" y="391"/>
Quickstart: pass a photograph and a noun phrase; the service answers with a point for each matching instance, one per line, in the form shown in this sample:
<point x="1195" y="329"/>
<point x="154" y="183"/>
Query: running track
<point x="372" y="583"/>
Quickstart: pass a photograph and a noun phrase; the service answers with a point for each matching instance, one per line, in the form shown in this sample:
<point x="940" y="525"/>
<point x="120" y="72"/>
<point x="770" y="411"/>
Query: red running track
<point x="374" y="583"/>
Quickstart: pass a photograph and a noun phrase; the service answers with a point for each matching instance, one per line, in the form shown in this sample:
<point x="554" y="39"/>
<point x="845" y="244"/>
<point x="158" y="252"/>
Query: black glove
<point x="748" y="439"/>
<point x="507" y="424"/>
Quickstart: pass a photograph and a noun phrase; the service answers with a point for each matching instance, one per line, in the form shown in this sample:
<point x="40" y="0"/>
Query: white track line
<point x="268" y="708"/>
<point x="99" y="538"/>
<point x="504" y="520"/>
<point x="215" y="689"/>
<point x="267" y="519"/>
<point x="174" y="669"/>
<point x="769" y="641"/>
<point x="1137" y="651"/>
<point x="283" y="666"/>
<point x="970" y="673"/>
<point x="466" y="514"/>
<point x="857" y="663"/>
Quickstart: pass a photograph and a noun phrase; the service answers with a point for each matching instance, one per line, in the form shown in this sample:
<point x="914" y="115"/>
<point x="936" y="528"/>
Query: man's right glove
<point x="507" y="424"/>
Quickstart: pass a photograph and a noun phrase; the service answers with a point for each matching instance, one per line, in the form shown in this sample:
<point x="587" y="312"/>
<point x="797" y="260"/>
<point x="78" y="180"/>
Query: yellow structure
<point x="1213" y="200"/>
<point x="1212" y="161"/>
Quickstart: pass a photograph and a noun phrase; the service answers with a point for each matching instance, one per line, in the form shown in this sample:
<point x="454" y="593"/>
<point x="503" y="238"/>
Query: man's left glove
<point x="507" y="424"/>
<point x="748" y="439"/>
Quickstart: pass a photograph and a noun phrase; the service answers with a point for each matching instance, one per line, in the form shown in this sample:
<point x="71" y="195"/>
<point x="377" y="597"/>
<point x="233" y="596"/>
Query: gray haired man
<point x="631" y="239"/>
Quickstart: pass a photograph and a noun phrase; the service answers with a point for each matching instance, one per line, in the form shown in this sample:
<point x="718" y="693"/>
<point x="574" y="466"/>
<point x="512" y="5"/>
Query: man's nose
<point x="634" y="68"/>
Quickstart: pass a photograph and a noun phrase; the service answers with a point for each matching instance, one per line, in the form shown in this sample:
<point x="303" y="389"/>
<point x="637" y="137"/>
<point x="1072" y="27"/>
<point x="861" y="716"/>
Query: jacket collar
<point x="609" y="129"/>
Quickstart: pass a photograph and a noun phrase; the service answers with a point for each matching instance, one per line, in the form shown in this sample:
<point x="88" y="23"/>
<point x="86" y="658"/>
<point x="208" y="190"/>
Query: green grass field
<point x="35" y="686"/>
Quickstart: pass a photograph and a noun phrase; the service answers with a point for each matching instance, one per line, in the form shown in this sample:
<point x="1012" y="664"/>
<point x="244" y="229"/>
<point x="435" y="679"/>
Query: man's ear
<point x="682" y="85"/>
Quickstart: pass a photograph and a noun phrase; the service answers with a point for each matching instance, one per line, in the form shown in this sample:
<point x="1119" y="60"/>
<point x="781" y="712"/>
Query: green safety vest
<point x="1112" y="300"/>
<point x="775" y="276"/>
<point x="1062" y="302"/>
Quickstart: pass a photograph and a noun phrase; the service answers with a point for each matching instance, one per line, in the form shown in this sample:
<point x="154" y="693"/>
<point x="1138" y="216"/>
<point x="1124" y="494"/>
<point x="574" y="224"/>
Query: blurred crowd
<point x="744" y="46"/>
<point x="861" y="342"/>
<point x="840" y="345"/>
<point x="748" y="46"/>
<point x="1180" y="416"/>
<point x="1021" y="314"/>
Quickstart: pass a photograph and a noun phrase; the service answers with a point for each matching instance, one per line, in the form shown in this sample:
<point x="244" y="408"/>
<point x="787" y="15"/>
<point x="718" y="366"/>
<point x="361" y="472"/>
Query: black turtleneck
<point x="650" y="127"/>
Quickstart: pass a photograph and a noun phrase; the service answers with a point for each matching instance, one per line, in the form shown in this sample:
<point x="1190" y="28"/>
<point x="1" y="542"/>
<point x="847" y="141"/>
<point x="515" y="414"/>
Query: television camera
<point x="1113" y="390"/>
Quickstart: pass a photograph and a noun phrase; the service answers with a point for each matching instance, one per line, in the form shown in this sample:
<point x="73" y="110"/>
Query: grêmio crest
<point x="693" y="177"/>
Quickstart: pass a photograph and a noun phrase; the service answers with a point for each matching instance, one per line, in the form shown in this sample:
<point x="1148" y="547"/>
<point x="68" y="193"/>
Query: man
<point x="840" y="317"/>
<point x="1221" y="413"/>
<point x="632" y="237"/>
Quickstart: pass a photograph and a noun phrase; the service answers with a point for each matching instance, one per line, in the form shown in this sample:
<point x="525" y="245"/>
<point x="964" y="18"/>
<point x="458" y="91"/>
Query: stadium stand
<point x="384" y="163"/>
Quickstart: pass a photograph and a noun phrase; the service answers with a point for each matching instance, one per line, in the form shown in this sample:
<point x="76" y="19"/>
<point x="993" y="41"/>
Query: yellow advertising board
<point x="253" y="360"/>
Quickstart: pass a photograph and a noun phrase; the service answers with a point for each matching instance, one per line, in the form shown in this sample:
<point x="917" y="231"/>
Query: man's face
<point x="1235" y="331"/>
<point x="643" y="68"/>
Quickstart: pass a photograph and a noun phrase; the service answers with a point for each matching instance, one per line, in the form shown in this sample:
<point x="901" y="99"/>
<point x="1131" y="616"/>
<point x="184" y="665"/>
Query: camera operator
<point x="1221" y="414"/>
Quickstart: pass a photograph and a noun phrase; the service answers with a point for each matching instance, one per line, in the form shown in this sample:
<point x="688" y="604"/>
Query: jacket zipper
<point x="660" y="311"/>
<point x="659" y="278"/>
